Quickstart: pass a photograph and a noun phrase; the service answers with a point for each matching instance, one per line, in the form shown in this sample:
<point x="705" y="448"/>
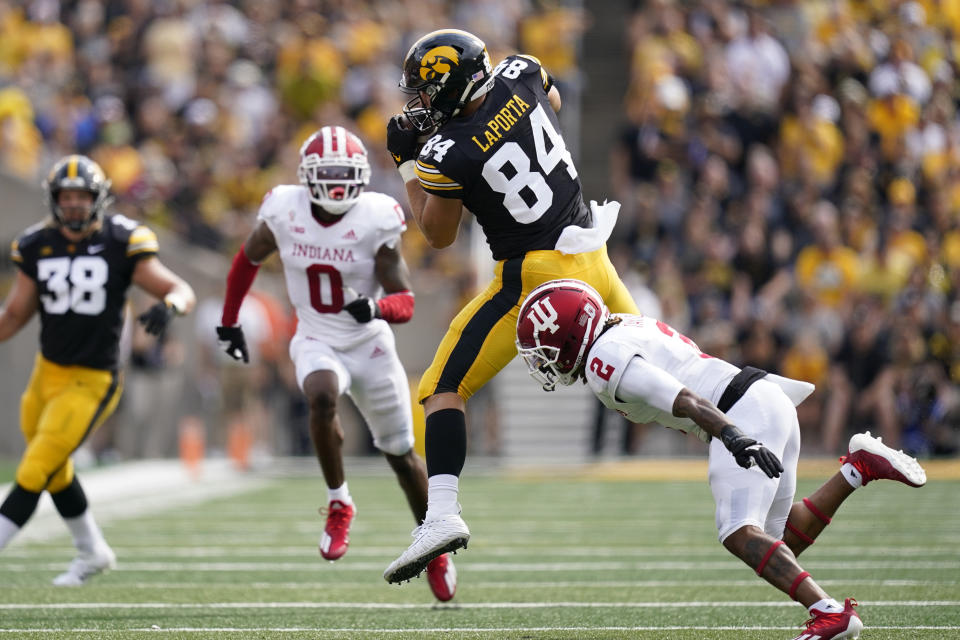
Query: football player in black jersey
<point x="487" y="139"/>
<point x="75" y="268"/>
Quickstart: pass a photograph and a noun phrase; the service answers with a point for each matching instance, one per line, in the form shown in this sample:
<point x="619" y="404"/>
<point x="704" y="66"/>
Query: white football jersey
<point x="669" y="361"/>
<point x="320" y="261"/>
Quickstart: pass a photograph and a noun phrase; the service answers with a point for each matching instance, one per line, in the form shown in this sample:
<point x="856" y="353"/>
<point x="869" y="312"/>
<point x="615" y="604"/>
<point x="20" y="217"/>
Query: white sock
<point x="827" y="605"/>
<point x="86" y="534"/>
<point x="442" y="492"/>
<point x="8" y="529"/>
<point x="852" y="475"/>
<point x="341" y="493"/>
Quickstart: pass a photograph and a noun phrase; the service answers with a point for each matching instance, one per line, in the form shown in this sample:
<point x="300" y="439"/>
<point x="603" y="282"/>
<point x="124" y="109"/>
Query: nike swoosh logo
<point x="95" y="248"/>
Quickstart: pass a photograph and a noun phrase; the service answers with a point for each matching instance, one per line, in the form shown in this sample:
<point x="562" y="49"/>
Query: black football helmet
<point x="451" y="67"/>
<point x="81" y="173"/>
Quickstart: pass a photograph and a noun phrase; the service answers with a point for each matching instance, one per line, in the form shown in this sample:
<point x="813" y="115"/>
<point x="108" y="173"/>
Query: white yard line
<point x="208" y="551"/>
<point x="471" y="605"/>
<point x="268" y="565"/>
<point x="443" y="630"/>
<point x="499" y="584"/>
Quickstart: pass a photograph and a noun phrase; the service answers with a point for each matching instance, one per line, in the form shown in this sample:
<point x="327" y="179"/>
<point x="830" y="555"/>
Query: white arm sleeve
<point x="644" y="382"/>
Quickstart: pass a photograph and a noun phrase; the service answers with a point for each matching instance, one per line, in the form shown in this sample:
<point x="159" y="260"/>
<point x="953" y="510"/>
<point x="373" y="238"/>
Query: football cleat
<point x="874" y="460"/>
<point x="336" y="535"/>
<point x="442" y="576"/>
<point x="833" y="626"/>
<point x="430" y="539"/>
<point x="86" y="565"/>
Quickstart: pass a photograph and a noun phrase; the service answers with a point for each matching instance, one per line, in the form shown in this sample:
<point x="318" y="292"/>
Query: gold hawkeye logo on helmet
<point x="438" y="62"/>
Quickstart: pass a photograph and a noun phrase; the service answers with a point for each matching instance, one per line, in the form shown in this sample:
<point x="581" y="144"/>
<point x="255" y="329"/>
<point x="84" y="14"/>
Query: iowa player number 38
<point x="73" y="284"/>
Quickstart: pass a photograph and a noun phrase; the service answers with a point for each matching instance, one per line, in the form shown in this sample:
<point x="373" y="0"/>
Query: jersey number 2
<point x="526" y="194"/>
<point x="601" y="369"/>
<point x="74" y="285"/>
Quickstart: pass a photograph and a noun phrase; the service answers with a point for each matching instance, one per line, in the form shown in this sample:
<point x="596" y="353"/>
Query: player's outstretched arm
<point x="20" y="306"/>
<point x="706" y="414"/>
<point x="743" y="448"/>
<point x="176" y="296"/>
<point x="257" y="248"/>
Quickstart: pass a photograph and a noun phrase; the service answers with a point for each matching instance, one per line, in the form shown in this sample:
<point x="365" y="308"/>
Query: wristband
<point x="730" y="432"/>
<point x="407" y="171"/>
<point x="176" y="302"/>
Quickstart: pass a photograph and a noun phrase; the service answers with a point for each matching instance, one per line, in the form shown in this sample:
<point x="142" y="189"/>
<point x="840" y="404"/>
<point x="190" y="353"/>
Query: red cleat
<point x="834" y="626"/>
<point x="442" y="576"/>
<point x="336" y="535"/>
<point x="874" y="460"/>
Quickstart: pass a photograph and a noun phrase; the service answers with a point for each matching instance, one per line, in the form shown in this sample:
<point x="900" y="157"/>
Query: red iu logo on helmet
<point x="543" y="316"/>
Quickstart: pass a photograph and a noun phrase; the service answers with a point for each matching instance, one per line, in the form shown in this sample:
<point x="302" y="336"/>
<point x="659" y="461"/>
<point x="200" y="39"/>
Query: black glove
<point x="363" y="309"/>
<point x="403" y="144"/>
<point x="156" y="318"/>
<point x="748" y="451"/>
<point x="233" y="342"/>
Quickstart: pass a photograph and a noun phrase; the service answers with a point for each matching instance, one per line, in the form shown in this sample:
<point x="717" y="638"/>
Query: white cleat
<point x="431" y="539"/>
<point x="86" y="565"/>
<point x="876" y="461"/>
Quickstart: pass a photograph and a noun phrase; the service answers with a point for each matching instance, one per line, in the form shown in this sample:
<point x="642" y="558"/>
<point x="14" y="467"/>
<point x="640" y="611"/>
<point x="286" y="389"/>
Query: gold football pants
<point x="61" y="406"/>
<point x="482" y="338"/>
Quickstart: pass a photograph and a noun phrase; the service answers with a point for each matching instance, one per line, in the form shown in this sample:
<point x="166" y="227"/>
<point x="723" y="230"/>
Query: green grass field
<point x="560" y="556"/>
<point x="8" y="469"/>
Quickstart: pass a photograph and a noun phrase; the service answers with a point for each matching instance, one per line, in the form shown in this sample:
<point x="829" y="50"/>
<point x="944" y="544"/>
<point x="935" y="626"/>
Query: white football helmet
<point x="557" y="324"/>
<point x="334" y="168"/>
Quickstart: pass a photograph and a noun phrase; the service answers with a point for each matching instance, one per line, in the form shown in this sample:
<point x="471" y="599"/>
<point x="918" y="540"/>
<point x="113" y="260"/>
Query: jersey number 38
<point x="74" y="284"/>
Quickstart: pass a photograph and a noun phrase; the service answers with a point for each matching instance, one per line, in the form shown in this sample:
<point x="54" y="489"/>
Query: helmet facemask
<point x="77" y="173"/>
<point x="449" y="67"/>
<point x="334" y="175"/>
<point x="425" y="119"/>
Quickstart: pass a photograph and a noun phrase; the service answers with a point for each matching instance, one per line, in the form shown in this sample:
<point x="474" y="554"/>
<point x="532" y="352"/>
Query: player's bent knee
<point x="322" y="402"/>
<point x="398" y="445"/>
<point x="46" y="460"/>
<point x="32" y="477"/>
<point x="445" y="400"/>
<point x="61" y="479"/>
<point x="739" y="531"/>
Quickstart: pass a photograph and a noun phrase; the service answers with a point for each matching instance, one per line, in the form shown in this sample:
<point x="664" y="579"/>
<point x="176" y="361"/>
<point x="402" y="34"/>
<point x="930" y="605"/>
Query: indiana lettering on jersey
<point x="503" y="121"/>
<point x="313" y="252"/>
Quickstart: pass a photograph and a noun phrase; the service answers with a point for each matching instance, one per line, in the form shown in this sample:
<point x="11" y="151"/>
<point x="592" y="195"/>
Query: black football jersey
<point x="509" y="164"/>
<point x="82" y="287"/>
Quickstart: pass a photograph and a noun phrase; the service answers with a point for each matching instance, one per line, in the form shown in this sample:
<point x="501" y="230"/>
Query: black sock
<point x="19" y="505"/>
<point x="446" y="442"/>
<point x="72" y="501"/>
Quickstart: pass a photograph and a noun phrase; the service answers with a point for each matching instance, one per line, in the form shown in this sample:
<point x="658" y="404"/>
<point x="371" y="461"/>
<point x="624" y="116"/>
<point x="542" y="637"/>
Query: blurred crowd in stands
<point x="790" y="174"/>
<point x="789" y="170"/>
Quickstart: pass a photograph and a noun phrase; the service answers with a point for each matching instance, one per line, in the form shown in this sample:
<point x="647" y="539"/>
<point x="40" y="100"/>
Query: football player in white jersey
<point x="346" y="277"/>
<point x="649" y="372"/>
